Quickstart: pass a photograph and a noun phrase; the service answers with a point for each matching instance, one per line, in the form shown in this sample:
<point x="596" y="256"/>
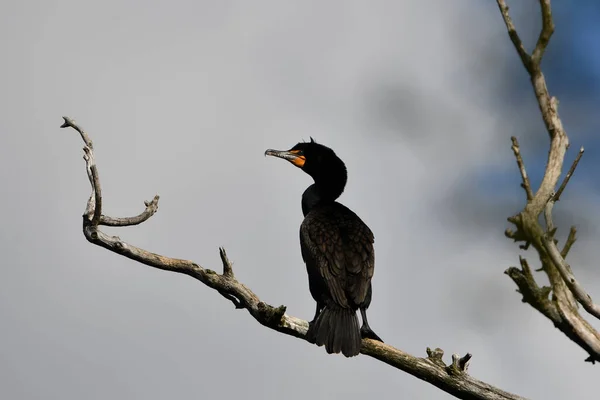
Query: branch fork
<point x="567" y="292"/>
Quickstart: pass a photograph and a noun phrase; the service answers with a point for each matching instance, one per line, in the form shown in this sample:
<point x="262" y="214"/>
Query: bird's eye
<point x="298" y="152"/>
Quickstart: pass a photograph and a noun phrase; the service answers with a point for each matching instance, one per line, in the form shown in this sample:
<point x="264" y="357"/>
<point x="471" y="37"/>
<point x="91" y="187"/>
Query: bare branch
<point x="526" y="185"/>
<point x="571" y="322"/>
<point x="70" y="123"/>
<point x="534" y="295"/>
<point x="579" y="330"/>
<point x="562" y="308"/>
<point x="563" y="185"/>
<point x="558" y="147"/>
<point x="151" y="209"/>
<point x="94" y="207"/>
<point x="548" y="217"/>
<point x="451" y="378"/>
<point x="565" y="271"/>
<point x="514" y="36"/>
<point x="570" y="241"/>
<point x="559" y="309"/>
<point x="545" y="34"/>
<point x="548" y="106"/>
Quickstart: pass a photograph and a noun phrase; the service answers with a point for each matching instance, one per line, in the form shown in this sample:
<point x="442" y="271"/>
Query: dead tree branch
<point x="452" y="378"/>
<point x="565" y="271"/>
<point x="151" y="209"/>
<point x="559" y="302"/>
<point x="517" y="152"/>
<point x="563" y="185"/>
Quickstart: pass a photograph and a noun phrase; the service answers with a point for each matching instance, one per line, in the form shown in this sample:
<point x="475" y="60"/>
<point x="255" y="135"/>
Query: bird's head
<point x="318" y="161"/>
<point x="312" y="157"/>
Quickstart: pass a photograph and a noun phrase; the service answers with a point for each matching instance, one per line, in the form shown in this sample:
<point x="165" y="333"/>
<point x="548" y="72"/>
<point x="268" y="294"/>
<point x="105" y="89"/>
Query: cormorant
<point x="337" y="248"/>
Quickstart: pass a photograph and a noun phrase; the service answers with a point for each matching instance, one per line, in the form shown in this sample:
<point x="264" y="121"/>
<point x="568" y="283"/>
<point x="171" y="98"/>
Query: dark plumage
<point x="337" y="248"/>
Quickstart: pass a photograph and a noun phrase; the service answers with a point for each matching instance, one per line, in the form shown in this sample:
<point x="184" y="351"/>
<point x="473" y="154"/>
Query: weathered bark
<point x="559" y="302"/>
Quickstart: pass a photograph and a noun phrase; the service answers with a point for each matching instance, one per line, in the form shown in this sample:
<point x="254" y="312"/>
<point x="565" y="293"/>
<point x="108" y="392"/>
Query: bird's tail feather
<point x="336" y="328"/>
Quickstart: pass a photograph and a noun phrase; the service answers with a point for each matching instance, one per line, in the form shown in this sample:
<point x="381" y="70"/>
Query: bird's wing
<point x="342" y="246"/>
<point x="324" y="243"/>
<point x="360" y="257"/>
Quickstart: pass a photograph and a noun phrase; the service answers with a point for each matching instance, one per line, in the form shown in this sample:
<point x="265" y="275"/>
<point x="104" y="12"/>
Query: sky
<point x="419" y="98"/>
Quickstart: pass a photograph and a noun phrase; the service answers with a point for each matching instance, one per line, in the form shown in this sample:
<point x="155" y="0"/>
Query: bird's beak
<point x="292" y="156"/>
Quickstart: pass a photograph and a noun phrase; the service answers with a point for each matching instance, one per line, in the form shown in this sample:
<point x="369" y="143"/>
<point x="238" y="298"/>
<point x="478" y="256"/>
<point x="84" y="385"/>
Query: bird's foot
<point x="367" y="333"/>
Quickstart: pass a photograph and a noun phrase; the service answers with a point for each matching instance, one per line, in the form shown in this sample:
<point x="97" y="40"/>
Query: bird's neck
<point x="310" y="199"/>
<point x="325" y="190"/>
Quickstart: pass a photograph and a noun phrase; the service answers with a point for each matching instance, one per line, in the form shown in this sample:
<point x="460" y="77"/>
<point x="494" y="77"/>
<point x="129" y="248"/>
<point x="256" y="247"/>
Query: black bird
<point x="337" y="248"/>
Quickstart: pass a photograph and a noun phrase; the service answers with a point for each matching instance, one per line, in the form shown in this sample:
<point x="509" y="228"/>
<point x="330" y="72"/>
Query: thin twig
<point x="545" y="34"/>
<point x="525" y="267"/>
<point x="70" y="123"/>
<point x="514" y="36"/>
<point x="570" y="241"/>
<point x="563" y="185"/>
<point x="517" y="151"/>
